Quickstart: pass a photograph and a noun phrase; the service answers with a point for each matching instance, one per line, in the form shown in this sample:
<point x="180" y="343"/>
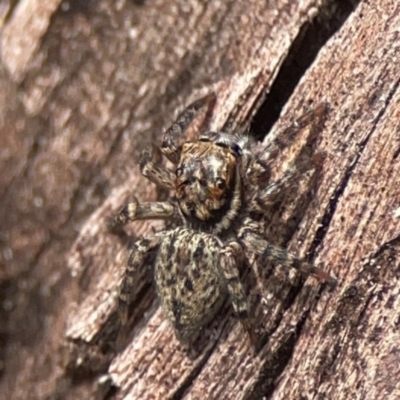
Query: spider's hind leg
<point x="230" y="259"/>
<point x="136" y="261"/>
<point x="277" y="256"/>
<point x="171" y="141"/>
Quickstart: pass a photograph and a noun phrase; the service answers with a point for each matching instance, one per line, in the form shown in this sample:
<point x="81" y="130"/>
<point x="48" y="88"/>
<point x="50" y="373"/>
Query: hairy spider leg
<point x="136" y="210"/>
<point x="156" y="173"/>
<point x="135" y="262"/>
<point x="232" y="255"/>
<point x="170" y="146"/>
<point x="314" y="118"/>
<point x="269" y="194"/>
<point x="254" y="243"/>
<point x="230" y="258"/>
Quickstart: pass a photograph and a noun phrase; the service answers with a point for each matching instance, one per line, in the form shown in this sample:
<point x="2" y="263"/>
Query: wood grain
<point x="99" y="81"/>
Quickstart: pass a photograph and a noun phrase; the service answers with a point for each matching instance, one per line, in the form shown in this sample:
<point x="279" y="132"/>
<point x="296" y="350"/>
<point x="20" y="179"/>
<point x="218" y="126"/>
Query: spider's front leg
<point x="156" y="173"/>
<point x="313" y="119"/>
<point x="135" y="210"/>
<point x="259" y="171"/>
<point x="267" y="195"/>
<point x="170" y="145"/>
<point x="270" y="253"/>
<point x="136" y="260"/>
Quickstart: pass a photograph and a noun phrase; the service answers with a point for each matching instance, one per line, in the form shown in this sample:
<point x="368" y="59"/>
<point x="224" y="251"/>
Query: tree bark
<point x="85" y="86"/>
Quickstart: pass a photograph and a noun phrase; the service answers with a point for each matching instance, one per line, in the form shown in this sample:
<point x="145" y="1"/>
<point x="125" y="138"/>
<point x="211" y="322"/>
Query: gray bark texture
<point x="85" y="86"/>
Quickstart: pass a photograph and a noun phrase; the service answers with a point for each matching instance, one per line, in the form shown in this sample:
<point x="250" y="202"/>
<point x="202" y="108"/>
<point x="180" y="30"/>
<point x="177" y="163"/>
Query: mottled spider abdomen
<point x="187" y="279"/>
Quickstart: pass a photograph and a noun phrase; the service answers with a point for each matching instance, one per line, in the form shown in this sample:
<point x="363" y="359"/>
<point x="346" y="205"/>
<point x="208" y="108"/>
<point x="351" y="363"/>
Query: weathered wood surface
<point x="83" y="89"/>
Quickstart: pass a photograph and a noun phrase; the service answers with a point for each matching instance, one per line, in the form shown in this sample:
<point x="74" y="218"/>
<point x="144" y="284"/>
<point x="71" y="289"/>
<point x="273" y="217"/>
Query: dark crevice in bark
<point x="305" y="48"/>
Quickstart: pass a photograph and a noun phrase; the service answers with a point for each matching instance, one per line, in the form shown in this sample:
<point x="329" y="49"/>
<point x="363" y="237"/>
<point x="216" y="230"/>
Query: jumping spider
<point x="222" y="188"/>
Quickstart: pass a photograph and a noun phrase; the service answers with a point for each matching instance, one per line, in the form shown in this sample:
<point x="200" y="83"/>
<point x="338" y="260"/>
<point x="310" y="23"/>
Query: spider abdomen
<point x="187" y="279"/>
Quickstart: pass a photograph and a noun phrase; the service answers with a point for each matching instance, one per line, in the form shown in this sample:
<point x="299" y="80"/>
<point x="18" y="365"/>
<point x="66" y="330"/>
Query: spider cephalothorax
<point x="222" y="187"/>
<point x="207" y="184"/>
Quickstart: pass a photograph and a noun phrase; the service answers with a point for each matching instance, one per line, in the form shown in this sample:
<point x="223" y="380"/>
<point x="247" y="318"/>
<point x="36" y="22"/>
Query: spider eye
<point x="220" y="183"/>
<point x="237" y="149"/>
<point x="234" y="147"/>
<point x="179" y="172"/>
